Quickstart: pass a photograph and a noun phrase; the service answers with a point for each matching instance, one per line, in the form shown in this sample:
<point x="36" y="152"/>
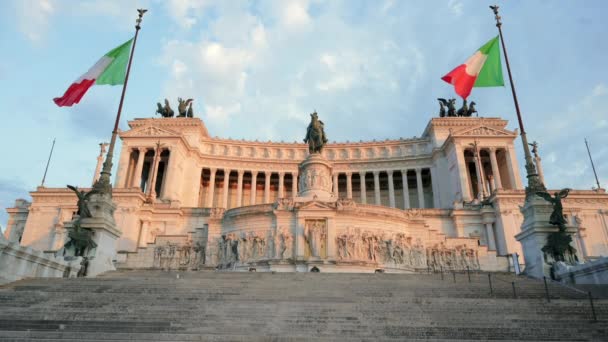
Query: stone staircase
<point x="229" y="306"/>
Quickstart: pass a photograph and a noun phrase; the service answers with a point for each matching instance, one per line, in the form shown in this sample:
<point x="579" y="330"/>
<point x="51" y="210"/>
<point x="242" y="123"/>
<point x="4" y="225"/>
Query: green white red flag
<point x="109" y="69"/>
<point x="483" y="69"/>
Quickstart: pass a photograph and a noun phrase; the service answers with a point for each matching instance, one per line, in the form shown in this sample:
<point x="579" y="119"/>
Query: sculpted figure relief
<point x="441" y="257"/>
<point x="315" y="234"/>
<point x="384" y="248"/>
<point x="284" y="244"/>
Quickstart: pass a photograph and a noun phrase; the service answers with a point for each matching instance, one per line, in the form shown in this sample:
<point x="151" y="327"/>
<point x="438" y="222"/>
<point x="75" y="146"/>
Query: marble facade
<point x="188" y="200"/>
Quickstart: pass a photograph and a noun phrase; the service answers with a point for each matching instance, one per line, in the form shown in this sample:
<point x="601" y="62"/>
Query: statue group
<point x="558" y="246"/>
<point x="81" y="239"/>
<point x="184" y="109"/>
<point x="448" y="108"/>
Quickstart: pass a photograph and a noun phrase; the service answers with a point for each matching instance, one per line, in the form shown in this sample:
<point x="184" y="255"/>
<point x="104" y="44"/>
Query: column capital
<point x="390" y="172"/>
<point x="267" y="174"/>
<point x="212" y="170"/>
<point x="418" y="170"/>
<point x="240" y="172"/>
<point x="404" y="171"/>
<point x="362" y="173"/>
<point x="227" y="170"/>
<point x="294" y="173"/>
<point x="492" y="149"/>
<point x="348" y="174"/>
<point x="281" y="173"/>
<point x="376" y="173"/>
<point x="254" y="173"/>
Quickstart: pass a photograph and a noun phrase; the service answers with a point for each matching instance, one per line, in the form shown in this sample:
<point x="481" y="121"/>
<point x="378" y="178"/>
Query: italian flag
<point x="483" y="69"/>
<point x="109" y="69"/>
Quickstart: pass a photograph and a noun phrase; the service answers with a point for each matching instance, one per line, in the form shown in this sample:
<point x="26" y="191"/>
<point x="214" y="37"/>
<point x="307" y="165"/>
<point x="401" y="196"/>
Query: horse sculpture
<point x="183" y="109"/>
<point x="166" y="111"/>
<point x="315" y="134"/>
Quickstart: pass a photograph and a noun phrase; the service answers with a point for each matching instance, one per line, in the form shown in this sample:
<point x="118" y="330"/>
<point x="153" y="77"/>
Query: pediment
<point x="150" y="131"/>
<point x="484" y="131"/>
<point x="317" y="205"/>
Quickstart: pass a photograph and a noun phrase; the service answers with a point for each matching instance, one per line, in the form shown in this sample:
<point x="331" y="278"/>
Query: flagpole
<point x="103" y="184"/>
<point x="534" y="183"/>
<point x="49" y="161"/>
<point x="593" y="166"/>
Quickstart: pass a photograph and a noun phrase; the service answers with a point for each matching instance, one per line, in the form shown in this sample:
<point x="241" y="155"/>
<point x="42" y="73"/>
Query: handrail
<point x="496" y="276"/>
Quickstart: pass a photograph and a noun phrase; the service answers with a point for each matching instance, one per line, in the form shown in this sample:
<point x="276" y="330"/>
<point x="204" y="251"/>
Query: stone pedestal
<point x="105" y="234"/>
<point x="315" y="179"/>
<point x="533" y="236"/>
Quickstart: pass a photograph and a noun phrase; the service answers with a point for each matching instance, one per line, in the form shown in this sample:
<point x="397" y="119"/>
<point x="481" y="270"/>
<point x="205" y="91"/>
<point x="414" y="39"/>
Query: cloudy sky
<point x="256" y="69"/>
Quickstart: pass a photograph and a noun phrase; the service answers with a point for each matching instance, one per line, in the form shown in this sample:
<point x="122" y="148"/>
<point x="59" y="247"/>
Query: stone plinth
<point x="105" y="234"/>
<point x="315" y="179"/>
<point x="533" y="236"/>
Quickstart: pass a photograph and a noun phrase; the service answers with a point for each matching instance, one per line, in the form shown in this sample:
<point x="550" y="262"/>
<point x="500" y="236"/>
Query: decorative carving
<point x="345" y="204"/>
<point x="284" y="204"/>
<point x="413" y="213"/>
<point x="216" y="213"/>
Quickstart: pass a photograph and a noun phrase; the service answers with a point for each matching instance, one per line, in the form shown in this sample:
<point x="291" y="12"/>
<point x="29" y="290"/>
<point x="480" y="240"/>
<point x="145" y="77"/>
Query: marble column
<point x="391" y="189"/>
<point x="139" y="168"/>
<point x="435" y="188"/>
<point x="463" y="173"/>
<point x="154" y="173"/>
<point x="226" y="188"/>
<point x="495" y="170"/>
<point x="349" y="185"/>
<point x="294" y="184"/>
<point x="406" y="190"/>
<point x="254" y="187"/>
<point x="281" y="181"/>
<point x="377" y="187"/>
<point x="419" y="187"/>
<point x="167" y="185"/>
<point x="239" y="188"/>
<point x="490" y="236"/>
<point x="211" y="190"/>
<point x="267" y="175"/>
<point x="479" y="174"/>
<point x="363" y="191"/>
<point x="335" y="185"/>
<point x="513" y="168"/>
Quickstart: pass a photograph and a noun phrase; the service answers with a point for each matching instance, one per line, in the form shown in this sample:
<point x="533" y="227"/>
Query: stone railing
<point x="18" y="262"/>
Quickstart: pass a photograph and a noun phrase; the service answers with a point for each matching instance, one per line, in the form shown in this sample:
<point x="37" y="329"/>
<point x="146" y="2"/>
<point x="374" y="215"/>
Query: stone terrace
<point x="225" y="306"/>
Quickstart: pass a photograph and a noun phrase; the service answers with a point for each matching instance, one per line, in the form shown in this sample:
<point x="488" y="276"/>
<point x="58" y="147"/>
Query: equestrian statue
<point x="315" y="134"/>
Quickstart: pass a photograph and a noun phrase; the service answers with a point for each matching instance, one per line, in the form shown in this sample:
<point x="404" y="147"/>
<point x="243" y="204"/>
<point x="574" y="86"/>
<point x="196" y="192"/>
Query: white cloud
<point x="185" y="12"/>
<point x="221" y="113"/>
<point x="295" y="14"/>
<point x="33" y="18"/>
<point x="456" y="7"/>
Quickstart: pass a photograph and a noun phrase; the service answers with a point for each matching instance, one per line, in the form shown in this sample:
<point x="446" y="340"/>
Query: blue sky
<point x="257" y="68"/>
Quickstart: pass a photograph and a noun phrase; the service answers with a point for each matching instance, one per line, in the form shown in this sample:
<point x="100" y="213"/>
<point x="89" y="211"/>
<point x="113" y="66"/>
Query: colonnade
<point x="405" y="188"/>
<point x="494" y="169"/>
<point x="148" y="166"/>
